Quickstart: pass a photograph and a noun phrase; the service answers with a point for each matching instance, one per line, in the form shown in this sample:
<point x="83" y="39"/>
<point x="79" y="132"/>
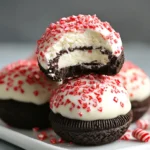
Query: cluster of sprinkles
<point x="49" y="135"/>
<point x="136" y="79"/>
<point x="139" y="133"/>
<point x="90" y="90"/>
<point x="15" y="75"/>
<point x="79" y="24"/>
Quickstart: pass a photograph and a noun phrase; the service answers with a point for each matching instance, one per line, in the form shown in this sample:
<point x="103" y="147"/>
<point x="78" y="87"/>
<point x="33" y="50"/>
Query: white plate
<point x="28" y="140"/>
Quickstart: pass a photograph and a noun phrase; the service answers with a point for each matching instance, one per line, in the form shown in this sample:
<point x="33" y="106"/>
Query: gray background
<point x="25" y="20"/>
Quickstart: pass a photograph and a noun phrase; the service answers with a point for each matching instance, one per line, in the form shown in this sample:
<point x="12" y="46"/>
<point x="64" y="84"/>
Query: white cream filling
<point x="78" y="57"/>
<point x="77" y="39"/>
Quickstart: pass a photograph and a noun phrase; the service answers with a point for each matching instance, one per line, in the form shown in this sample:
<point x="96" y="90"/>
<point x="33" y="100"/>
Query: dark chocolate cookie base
<point x="111" y="68"/>
<point x="24" y="115"/>
<point x="140" y="108"/>
<point x="90" y="132"/>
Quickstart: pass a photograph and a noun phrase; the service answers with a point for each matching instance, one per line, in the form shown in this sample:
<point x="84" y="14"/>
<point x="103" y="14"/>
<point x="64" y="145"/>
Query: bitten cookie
<point x="79" y="45"/>
<point x="90" y="110"/>
<point x="137" y="84"/>
<point x="24" y="95"/>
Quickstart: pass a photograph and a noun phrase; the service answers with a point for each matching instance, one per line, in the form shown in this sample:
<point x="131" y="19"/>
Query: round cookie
<point x="79" y="45"/>
<point x="137" y="84"/>
<point x="90" y="110"/>
<point x="24" y="95"/>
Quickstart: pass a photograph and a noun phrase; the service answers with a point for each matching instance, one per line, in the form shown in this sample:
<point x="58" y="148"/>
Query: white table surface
<point x="136" y="52"/>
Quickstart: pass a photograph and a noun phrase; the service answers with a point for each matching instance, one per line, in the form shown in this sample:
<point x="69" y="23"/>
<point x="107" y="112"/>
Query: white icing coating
<point x="136" y="82"/>
<point x="79" y="56"/>
<point x="92" y="97"/>
<point x="77" y="33"/>
<point x="23" y="81"/>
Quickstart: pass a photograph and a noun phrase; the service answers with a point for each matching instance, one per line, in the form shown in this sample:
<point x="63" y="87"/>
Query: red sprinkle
<point x="100" y="109"/>
<point x="122" y="104"/>
<point x="42" y="136"/>
<point x="20" y="82"/>
<point x="115" y="99"/>
<point x="135" y="79"/>
<point x="36" y="93"/>
<point x="72" y="24"/>
<point x="89" y="51"/>
<point x="80" y="114"/>
<point x="61" y="140"/>
<point x="30" y="74"/>
<point x="35" y="129"/>
<point x="53" y="141"/>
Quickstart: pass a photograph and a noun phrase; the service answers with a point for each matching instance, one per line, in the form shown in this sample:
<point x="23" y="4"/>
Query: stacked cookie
<point x="75" y="83"/>
<point x="90" y="107"/>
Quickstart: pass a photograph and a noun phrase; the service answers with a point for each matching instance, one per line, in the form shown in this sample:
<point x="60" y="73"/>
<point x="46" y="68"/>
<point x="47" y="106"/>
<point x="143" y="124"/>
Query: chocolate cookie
<point x="24" y="115"/>
<point x="96" y="132"/>
<point x="140" y="108"/>
<point x="24" y="95"/>
<point x="79" y="45"/>
<point x="90" y="110"/>
<point x="137" y="84"/>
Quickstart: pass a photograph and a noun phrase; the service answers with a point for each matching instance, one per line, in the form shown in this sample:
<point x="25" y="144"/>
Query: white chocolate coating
<point x="91" y="97"/>
<point x="74" y="32"/>
<point x="136" y="81"/>
<point x="23" y="81"/>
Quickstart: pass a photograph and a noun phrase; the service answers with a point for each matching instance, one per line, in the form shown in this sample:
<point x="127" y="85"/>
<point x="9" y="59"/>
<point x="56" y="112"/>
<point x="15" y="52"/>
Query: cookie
<point x="79" y="45"/>
<point x="90" y="110"/>
<point x="137" y="84"/>
<point x="24" y="95"/>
